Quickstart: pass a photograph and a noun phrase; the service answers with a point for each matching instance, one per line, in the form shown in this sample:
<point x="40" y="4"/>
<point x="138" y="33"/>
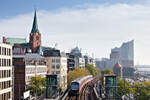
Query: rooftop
<point x="15" y="40"/>
<point x="29" y="56"/>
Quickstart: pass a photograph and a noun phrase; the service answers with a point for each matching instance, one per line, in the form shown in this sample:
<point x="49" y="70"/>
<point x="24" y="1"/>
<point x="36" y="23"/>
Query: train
<point x="77" y="85"/>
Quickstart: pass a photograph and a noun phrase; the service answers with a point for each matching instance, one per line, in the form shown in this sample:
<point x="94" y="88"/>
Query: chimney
<point x="4" y="39"/>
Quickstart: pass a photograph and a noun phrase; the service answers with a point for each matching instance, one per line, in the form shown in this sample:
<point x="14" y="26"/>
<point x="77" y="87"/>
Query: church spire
<point x="35" y="25"/>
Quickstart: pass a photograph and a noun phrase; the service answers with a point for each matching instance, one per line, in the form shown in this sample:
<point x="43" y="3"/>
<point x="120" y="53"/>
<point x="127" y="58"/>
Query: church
<point x="21" y="46"/>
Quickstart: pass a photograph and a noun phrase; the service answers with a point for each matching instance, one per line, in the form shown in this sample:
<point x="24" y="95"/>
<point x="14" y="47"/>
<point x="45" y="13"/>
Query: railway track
<point x="83" y="94"/>
<point x="86" y="93"/>
<point x="72" y="98"/>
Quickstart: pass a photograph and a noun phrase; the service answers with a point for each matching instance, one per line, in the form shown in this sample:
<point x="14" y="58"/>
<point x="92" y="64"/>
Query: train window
<point x="74" y="86"/>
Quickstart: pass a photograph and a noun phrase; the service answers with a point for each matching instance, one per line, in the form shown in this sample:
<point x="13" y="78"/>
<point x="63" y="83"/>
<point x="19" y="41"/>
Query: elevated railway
<point x="82" y="89"/>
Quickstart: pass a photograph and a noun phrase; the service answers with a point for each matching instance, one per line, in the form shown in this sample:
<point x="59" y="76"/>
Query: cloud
<point x="96" y="29"/>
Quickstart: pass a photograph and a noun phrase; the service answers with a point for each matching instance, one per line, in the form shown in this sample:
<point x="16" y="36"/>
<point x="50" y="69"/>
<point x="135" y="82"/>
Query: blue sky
<point x="96" y="26"/>
<point x="10" y="8"/>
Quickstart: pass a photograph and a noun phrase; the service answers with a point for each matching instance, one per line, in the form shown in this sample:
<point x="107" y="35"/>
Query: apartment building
<point x="5" y="72"/>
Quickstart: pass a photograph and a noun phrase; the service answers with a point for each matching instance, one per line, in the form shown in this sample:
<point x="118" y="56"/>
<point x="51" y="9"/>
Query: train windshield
<point x="74" y="86"/>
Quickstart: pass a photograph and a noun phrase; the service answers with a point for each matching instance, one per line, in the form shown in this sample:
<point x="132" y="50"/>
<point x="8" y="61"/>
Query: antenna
<point x="56" y="44"/>
<point x="93" y="55"/>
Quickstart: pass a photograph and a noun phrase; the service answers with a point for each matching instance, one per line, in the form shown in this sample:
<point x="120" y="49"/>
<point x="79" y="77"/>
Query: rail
<point x="96" y="94"/>
<point x="84" y="95"/>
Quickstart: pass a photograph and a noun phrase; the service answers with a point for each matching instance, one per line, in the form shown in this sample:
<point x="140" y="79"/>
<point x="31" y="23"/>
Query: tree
<point x="76" y="73"/>
<point x="92" y="69"/>
<point x="141" y="90"/>
<point x="107" y="71"/>
<point x="123" y="87"/>
<point x="37" y="83"/>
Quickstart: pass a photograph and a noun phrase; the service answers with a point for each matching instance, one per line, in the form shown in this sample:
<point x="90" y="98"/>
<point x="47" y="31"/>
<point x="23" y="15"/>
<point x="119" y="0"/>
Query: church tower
<point x="35" y="36"/>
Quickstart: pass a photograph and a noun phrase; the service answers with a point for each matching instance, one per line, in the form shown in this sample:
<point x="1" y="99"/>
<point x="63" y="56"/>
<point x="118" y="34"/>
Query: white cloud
<point x="96" y="29"/>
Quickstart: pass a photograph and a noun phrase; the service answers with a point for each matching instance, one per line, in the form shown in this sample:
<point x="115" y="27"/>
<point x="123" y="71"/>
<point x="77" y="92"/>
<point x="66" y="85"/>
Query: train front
<point x="74" y="88"/>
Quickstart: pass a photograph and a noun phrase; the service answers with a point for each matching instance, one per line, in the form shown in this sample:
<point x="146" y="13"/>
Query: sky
<point x="96" y="26"/>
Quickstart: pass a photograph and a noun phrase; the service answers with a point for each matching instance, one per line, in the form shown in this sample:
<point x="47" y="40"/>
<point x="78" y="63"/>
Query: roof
<point x="33" y="56"/>
<point x="35" y="25"/>
<point x="52" y="53"/>
<point x="29" y="56"/>
<point x="63" y="54"/>
<point x="118" y="65"/>
<point x="76" y="50"/>
<point x="109" y="75"/>
<point x="15" y="40"/>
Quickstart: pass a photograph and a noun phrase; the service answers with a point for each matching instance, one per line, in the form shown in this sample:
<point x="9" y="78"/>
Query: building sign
<point x="26" y="94"/>
<point x="51" y="80"/>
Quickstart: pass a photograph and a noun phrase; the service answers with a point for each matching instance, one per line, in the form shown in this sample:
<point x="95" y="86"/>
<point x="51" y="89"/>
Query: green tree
<point x="141" y="90"/>
<point x="74" y="74"/>
<point x="92" y="69"/>
<point x="107" y="71"/>
<point x="123" y="87"/>
<point x="37" y="83"/>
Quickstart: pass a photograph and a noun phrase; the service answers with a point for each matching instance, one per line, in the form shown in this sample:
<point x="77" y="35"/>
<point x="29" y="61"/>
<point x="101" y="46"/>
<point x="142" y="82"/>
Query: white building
<point x="35" y="66"/>
<point x="81" y="62"/>
<point x="5" y="72"/>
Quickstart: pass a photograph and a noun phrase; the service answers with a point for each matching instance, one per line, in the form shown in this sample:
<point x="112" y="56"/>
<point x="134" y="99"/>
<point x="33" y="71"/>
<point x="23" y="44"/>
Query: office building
<point x="75" y="59"/>
<point x="26" y="67"/>
<point x="57" y="65"/>
<point x="89" y="60"/>
<point x="124" y="55"/>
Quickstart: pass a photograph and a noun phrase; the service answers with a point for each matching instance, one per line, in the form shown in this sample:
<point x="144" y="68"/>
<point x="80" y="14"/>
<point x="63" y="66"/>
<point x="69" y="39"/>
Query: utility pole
<point x="35" y="78"/>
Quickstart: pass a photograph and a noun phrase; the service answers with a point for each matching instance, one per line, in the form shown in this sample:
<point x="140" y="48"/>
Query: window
<point x="0" y="51"/>
<point x="57" y="66"/>
<point x="0" y="73"/>
<point x="53" y="66"/>
<point x="57" y="72"/>
<point x="57" y="60"/>
<point x="5" y="51"/>
<point x="0" y="62"/>
<point x="37" y="38"/>
<point x="53" y="60"/>
<point x="9" y="62"/>
<point x="53" y="72"/>
<point x="9" y="52"/>
<point x="4" y="62"/>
